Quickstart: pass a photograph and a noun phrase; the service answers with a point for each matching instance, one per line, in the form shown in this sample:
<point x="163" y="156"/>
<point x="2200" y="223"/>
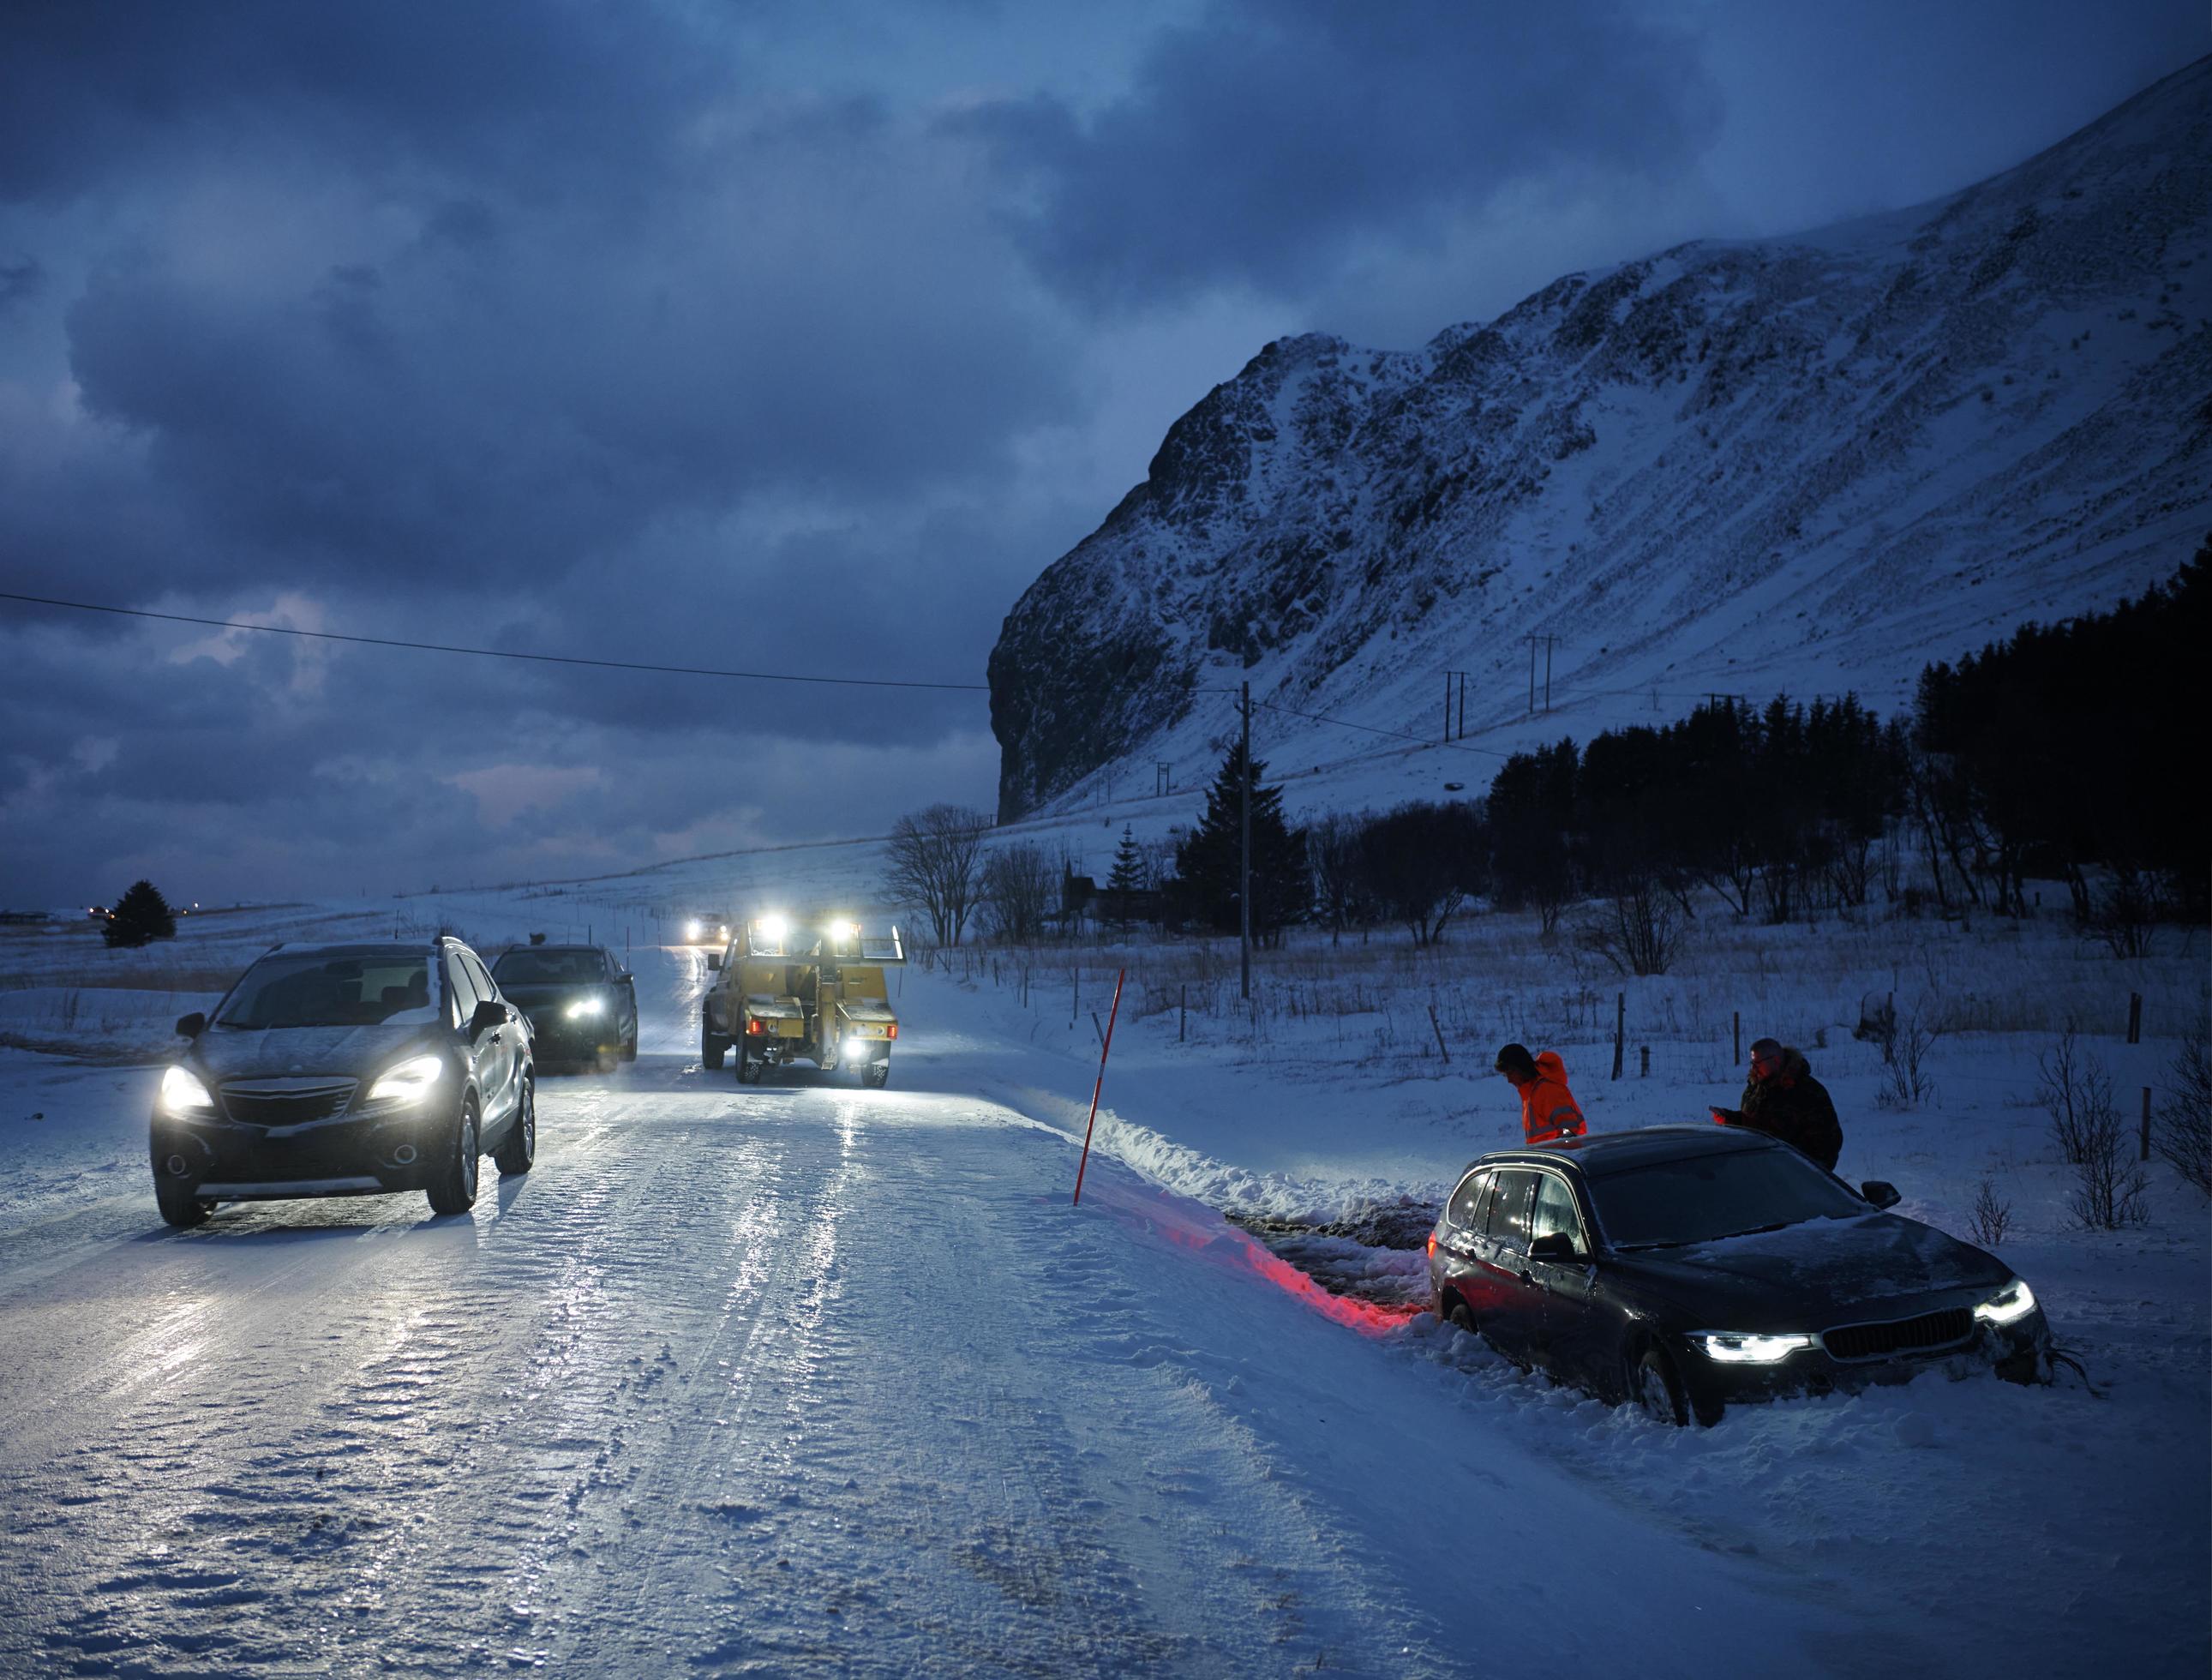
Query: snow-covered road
<point x="802" y="1377"/>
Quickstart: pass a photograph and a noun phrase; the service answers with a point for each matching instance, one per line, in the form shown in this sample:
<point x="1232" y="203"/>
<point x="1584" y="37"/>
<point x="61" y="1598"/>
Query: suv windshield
<point x="548" y="968"/>
<point x="1707" y="1196"/>
<point x="315" y="989"/>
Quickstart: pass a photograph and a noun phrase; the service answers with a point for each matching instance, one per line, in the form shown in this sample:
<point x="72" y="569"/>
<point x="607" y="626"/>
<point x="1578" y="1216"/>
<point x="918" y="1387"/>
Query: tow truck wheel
<point x="710" y="1047"/>
<point x="750" y="1069"/>
<point x="877" y="1074"/>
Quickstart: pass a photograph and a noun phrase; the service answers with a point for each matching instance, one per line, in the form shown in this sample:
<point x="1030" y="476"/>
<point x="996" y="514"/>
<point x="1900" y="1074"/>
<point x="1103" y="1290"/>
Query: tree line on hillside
<point x="2046" y="756"/>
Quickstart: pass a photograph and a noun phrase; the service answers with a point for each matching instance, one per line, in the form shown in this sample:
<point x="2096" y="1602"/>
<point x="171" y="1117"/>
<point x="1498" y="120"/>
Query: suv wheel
<point x="1655" y="1390"/>
<point x="520" y="1149"/>
<point x="454" y="1189"/>
<point x="178" y="1206"/>
<point x="711" y="1045"/>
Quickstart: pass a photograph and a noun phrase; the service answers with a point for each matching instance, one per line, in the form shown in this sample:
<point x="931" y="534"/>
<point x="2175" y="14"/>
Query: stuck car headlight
<point x="181" y="1093"/>
<point x="409" y="1081"/>
<point x="1728" y="1348"/>
<point x="586" y="1006"/>
<point x="2008" y="1305"/>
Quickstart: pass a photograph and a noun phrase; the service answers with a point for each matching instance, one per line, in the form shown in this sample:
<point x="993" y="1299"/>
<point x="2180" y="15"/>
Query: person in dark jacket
<point x="1548" y="1109"/>
<point x="1782" y="1099"/>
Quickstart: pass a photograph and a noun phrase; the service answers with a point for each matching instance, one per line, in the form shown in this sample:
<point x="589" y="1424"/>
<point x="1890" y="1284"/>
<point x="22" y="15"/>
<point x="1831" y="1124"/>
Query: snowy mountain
<point x="1798" y="464"/>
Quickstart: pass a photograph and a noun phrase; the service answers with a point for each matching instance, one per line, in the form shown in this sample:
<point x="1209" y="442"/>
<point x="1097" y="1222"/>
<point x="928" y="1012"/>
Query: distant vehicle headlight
<point x="181" y="1093"/>
<point x="409" y="1081"/>
<point x="586" y="1006"/>
<point x="1728" y="1348"/>
<point x="2008" y="1305"/>
<point x="694" y="927"/>
<point x="844" y="931"/>
<point x="724" y="930"/>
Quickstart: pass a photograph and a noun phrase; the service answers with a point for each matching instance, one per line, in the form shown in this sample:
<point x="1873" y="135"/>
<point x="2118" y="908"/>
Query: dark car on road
<point x="581" y="1001"/>
<point x="1681" y="1268"/>
<point x="346" y="1070"/>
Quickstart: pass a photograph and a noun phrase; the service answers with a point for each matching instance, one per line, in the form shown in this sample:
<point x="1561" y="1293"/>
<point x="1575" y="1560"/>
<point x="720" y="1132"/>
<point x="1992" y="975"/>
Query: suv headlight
<point x="182" y="1094"/>
<point x="1728" y="1348"/>
<point x="586" y="1006"/>
<point x="408" y="1081"/>
<point x="2008" y="1305"/>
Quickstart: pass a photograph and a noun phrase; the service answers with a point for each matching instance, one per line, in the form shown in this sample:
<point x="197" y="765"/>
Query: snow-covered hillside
<point x="1804" y="464"/>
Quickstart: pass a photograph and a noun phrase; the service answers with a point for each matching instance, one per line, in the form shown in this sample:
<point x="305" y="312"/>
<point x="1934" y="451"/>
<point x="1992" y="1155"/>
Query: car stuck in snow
<point x="1681" y="1268"/>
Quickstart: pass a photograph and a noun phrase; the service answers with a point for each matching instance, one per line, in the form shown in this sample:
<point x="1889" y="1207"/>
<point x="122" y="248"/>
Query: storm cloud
<point x="771" y="338"/>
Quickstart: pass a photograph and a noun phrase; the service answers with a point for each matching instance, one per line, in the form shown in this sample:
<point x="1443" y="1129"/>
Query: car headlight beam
<point x="586" y="1006"/>
<point x="183" y="1093"/>
<point x="2008" y="1305"/>
<point x="1734" y="1348"/>
<point x="408" y="1081"/>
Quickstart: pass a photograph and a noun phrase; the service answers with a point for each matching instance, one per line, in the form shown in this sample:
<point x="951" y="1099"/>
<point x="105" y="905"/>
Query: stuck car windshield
<point x="314" y="988"/>
<point x="1701" y="1198"/>
<point x="548" y="968"/>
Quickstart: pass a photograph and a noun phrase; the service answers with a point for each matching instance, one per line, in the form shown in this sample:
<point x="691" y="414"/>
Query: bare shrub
<point x="1906" y="1044"/>
<point x="1992" y="1215"/>
<point x="2184" y="1137"/>
<point x="934" y="855"/>
<point x="1021" y="884"/>
<point x="2126" y="913"/>
<point x="2076" y="1094"/>
<point x="1638" y="928"/>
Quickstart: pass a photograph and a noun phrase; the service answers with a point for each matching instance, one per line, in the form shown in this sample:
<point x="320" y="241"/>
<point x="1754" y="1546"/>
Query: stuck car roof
<point x="1602" y="1154"/>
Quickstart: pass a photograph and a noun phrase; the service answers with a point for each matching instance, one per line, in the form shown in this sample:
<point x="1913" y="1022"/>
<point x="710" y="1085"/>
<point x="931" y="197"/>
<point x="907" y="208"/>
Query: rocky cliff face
<point x="1804" y="464"/>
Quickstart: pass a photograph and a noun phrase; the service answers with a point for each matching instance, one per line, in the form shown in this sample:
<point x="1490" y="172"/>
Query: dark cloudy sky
<point x="792" y="336"/>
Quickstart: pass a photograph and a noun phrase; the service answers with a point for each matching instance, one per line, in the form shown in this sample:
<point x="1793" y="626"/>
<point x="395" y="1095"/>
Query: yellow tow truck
<point x="789" y="991"/>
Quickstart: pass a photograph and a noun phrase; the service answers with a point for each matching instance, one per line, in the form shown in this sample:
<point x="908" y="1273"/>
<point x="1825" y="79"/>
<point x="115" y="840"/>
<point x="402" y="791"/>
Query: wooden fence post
<point x="1619" y="1029"/>
<point x="2135" y="1017"/>
<point x="1644" y="1056"/>
<point x="1439" y="1032"/>
<point x="1738" y="1052"/>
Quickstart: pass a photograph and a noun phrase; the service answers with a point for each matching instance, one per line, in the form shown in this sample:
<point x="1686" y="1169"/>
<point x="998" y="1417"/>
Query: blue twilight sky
<point x="783" y="335"/>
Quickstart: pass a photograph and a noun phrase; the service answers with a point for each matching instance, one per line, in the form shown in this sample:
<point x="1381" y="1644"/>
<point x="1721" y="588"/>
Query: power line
<point x="1395" y="735"/>
<point x="496" y="653"/>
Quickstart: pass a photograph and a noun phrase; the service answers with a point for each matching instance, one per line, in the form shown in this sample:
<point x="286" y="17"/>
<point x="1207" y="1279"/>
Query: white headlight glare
<point x="692" y="929"/>
<point x="1728" y="1348"/>
<point x="843" y="931"/>
<point x="183" y="1094"/>
<point x="773" y="928"/>
<point x="2008" y="1305"/>
<point x="855" y="1048"/>
<point x="587" y="1005"/>
<point x="409" y="1081"/>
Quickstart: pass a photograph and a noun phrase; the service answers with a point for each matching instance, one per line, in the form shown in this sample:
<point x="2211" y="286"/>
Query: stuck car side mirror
<point x="1880" y="1194"/>
<point x="1553" y="1246"/>
<point x="489" y="1014"/>
<point x="192" y="1026"/>
<point x="715" y="962"/>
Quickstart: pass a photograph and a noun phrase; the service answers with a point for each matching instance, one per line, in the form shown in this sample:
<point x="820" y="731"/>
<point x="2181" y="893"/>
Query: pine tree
<point x="1206" y="862"/>
<point x="1129" y="877"/>
<point x="140" y="916"/>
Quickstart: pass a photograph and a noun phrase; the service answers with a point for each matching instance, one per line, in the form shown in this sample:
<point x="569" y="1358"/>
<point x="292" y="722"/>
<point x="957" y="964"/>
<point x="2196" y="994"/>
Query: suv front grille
<point x="285" y="1102"/>
<point x="1925" y="1334"/>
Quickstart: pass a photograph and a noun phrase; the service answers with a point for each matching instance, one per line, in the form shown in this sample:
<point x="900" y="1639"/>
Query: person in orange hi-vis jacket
<point x="1548" y="1112"/>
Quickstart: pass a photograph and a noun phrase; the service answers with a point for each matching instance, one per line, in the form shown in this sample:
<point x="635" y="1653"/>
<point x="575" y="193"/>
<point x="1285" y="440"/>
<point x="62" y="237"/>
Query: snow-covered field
<point x="773" y="1380"/>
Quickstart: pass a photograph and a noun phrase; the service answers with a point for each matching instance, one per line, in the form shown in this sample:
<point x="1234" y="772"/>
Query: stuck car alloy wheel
<point x="520" y="1149"/>
<point x="1655" y="1389"/>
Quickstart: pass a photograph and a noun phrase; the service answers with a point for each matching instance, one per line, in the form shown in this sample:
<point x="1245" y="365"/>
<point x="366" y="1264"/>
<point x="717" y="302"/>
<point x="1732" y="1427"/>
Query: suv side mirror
<point x="1553" y="1246"/>
<point x="715" y="962"/>
<point x="489" y="1014"/>
<point x="192" y="1026"/>
<point x="1880" y="1194"/>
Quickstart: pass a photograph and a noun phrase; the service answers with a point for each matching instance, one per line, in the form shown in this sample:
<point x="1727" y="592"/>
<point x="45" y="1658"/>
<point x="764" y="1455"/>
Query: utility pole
<point x="1547" y="641"/>
<point x="1455" y="684"/>
<point x="1244" y="855"/>
<point x="1547" y="675"/>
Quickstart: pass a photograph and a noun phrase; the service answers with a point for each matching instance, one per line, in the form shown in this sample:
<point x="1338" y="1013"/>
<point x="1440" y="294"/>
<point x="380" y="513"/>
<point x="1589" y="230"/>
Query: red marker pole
<point x="1105" y="1050"/>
